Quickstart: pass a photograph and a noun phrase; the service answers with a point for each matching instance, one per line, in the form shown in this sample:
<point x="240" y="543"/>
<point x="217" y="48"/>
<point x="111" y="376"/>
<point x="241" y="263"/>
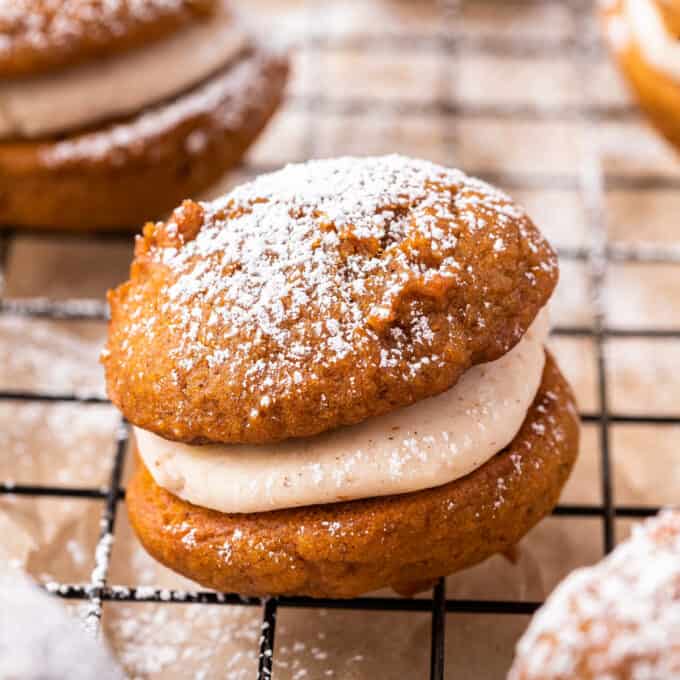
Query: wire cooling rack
<point x="590" y="183"/>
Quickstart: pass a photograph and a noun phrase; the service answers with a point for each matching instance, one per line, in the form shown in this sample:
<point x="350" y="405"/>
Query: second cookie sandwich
<point x="338" y="380"/>
<point x="113" y="112"/>
<point x="645" y="38"/>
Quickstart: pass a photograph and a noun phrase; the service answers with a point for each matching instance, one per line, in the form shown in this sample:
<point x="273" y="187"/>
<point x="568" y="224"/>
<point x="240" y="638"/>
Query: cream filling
<point x="120" y="85"/>
<point x="418" y="447"/>
<point x="659" y="47"/>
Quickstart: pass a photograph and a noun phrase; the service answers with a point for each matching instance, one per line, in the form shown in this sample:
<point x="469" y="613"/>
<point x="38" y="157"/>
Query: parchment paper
<point x="54" y="539"/>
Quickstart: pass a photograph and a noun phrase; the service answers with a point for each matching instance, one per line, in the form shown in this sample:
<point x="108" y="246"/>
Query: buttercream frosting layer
<point x="120" y="85"/>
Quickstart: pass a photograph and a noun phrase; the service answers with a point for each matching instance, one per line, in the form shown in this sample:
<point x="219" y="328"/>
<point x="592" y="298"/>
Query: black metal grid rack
<point x="591" y="185"/>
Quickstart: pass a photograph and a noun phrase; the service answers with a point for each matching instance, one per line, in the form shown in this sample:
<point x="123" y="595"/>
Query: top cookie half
<point x="318" y="296"/>
<point x="41" y="35"/>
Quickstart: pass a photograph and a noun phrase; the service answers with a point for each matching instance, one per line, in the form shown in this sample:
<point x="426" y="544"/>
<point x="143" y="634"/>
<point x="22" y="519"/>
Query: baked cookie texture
<point x="319" y="296"/>
<point x="345" y="549"/>
<point x="43" y="35"/>
<point x="619" y="619"/>
<point x="126" y="172"/>
<point x="119" y="172"/>
<point x="657" y="94"/>
<point x="670" y="9"/>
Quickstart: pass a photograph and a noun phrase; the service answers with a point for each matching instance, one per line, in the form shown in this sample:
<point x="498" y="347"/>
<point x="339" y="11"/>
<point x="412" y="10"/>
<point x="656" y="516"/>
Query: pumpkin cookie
<point x="643" y="35"/>
<point x="152" y="132"/>
<point x="670" y="10"/>
<point x="338" y="380"/>
<point x="619" y="619"/>
<point x="319" y="296"/>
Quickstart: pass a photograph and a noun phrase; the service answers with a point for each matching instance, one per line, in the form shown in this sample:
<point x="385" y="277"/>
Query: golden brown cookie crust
<point x="657" y="94"/>
<point x="345" y="549"/>
<point x="670" y="9"/>
<point x="37" y="36"/>
<point x="123" y="174"/>
<point x="262" y="317"/>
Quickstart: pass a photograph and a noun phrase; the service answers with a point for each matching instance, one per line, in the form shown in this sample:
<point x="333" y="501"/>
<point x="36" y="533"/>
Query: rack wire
<point x="590" y="184"/>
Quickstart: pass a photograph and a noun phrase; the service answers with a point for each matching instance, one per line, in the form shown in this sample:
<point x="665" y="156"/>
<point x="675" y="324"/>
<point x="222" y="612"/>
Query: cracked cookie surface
<point x="319" y="296"/>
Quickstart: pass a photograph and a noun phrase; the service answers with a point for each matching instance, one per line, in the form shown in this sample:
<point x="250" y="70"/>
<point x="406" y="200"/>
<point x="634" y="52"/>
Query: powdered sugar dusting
<point x="618" y="32"/>
<point x="40" y="640"/>
<point x="287" y="226"/>
<point x="190" y="641"/>
<point x="620" y="618"/>
<point x="331" y="263"/>
<point x="41" y="26"/>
